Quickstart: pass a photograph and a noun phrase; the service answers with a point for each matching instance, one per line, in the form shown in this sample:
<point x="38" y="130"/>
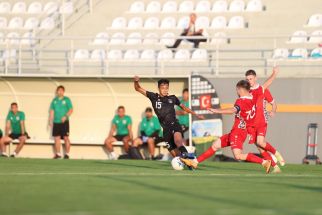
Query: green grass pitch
<point x="88" y="187"/>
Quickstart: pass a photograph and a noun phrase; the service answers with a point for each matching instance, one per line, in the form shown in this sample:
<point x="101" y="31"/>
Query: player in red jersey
<point x="258" y="131"/>
<point x="245" y="111"/>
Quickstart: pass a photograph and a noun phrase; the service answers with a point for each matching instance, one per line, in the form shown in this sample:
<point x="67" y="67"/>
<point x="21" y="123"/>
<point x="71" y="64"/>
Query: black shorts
<point x="61" y="129"/>
<point x="168" y="134"/>
<point x="16" y="136"/>
<point x="120" y="137"/>
<point x="156" y="140"/>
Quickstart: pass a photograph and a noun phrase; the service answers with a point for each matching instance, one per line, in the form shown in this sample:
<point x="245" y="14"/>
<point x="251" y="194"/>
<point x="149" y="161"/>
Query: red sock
<point x="270" y="148"/>
<point x="267" y="156"/>
<point x="207" y="154"/>
<point x="253" y="158"/>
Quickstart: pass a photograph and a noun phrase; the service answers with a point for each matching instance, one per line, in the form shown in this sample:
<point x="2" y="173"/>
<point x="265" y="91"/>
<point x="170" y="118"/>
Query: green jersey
<point x="184" y="119"/>
<point x="60" y="106"/>
<point x="122" y="124"/>
<point x="15" y="121"/>
<point x="150" y="126"/>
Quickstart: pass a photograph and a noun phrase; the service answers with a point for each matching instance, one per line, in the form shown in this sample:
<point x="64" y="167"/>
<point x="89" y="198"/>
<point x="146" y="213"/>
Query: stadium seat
<point x="15" y="23"/>
<point x="67" y="8"/>
<point x="9" y="54"/>
<point x="115" y="55"/>
<point x="81" y="54"/>
<point x="182" y="54"/>
<point x="151" y="23"/>
<point x="117" y="38"/>
<point x="35" y="8"/>
<point x="203" y="6"/>
<point x="101" y="38"/>
<point x="168" y="22"/>
<point x="167" y="39"/>
<point x="183" y="22"/>
<point x="254" y="6"/>
<point x="299" y="37"/>
<point x="5" y="7"/>
<point x="137" y="7"/>
<point x="51" y="7"/>
<point x="202" y="22"/>
<point x="315" y="20"/>
<point x="200" y="54"/>
<point x="236" y="22"/>
<point x="31" y="23"/>
<point x="237" y="6"/>
<point x="316" y="53"/>
<point x="3" y="22"/>
<point x="131" y="54"/>
<point x="165" y="54"/>
<point x="135" y="22"/>
<point x="134" y="38"/>
<point x="280" y="53"/>
<point x="19" y="7"/>
<point x="219" y="22"/>
<point x="316" y="36"/>
<point x="186" y="7"/>
<point x="220" y="6"/>
<point x="2" y="38"/>
<point x="299" y="53"/>
<point x="151" y="38"/>
<point x="153" y="7"/>
<point x="170" y="7"/>
<point x="98" y="54"/>
<point x="48" y="23"/>
<point x="28" y="39"/>
<point x="119" y="22"/>
<point x="148" y="54"/>
<point x="219" y="38"/>
<point x="13" y="38"/>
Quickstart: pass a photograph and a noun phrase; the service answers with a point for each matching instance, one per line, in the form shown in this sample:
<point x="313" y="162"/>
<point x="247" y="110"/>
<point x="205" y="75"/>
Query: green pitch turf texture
<point x="86" y="187"/>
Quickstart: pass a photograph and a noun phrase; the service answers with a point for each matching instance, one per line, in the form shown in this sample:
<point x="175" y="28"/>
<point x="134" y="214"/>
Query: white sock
<point x="14" y="153"/>
<point x="58" y="153"/>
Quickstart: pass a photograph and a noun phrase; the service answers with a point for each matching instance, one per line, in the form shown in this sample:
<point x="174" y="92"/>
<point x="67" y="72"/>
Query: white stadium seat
<point x="153" y="7"/>
<point x="203" y="6"/>
<point x="35" y="8"/>
<point x="299" y="37"/>
<point x="316" y="36"/>
<point x="119" y="22"/>
<point x="220" y="6"/>
<point x="16" y="22"/>
<point x="299" y="53"/>
<point x="219" y="22"/>
<point x="117" y="38"/>
<point x="165" y="54"/>
<point x="237" y="6"/>
<point x="148" y="54"/>
<point x="200" y="54"/>
<point x="28" y="39"/>
<point x="13" y="38"/>
<point x="151" y="38"/>
<point x="134" y="38"/>
<point x="152" y="23"/>
<point x="202" y="22"/>
<point x="5" y="7"/>
<point x="19" y="7"/>
<point x="51" y="7"/>
<point x="182" y="54"/>
<point x="67" y="8"/>
<point x="98" y="54"/>
<point x="170" y="7"/>
<point x="254" y="6"/>
<point x="168" y="22"/>
<point x="81" y="54"/>
<point x="135" y="22"/>
<point x="168" y="39"/>
<point x="315" y="20"/>
<point x="3" y="22"/>
<point x="316" y="53"/>
<point x="186" y="6"/>
<point x="2" y="38"/>
<point x="9" y="54"/>
<point x="236" y="22"/>
<point x="280" y="53"/>
<point x="131" y="54"/>
<point x="183" y="22"/>
<point x="48" y="23"/>
<point x="115" y="55"/>
<point x="31" y="23"/>
<point x="137" y="7"/>
<point x="219" y="38"/>
<point x="101" y="39"/>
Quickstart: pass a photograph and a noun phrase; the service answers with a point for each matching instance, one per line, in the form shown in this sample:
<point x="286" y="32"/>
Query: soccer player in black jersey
<point x="164" y="107"/>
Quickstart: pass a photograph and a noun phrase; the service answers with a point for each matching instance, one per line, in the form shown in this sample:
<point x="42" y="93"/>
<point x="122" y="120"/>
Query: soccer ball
<point x="177" y="164"/>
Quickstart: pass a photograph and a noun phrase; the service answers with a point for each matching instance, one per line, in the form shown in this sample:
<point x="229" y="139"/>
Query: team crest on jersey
<point x="64" y="102"/>
<point x="124" y="121"/>
<point x="17" y="118"/>
<point x="170" y="101"/>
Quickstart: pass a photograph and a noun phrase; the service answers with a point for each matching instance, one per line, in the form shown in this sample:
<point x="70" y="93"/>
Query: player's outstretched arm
<point x="138" y="87"/>
<point x="223" y="111"/>
<point x="271" y="78"/>
<point x="188" y="110"/>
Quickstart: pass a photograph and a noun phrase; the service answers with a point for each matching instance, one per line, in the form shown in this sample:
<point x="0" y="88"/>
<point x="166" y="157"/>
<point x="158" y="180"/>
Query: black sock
<point x="183" y="151"/>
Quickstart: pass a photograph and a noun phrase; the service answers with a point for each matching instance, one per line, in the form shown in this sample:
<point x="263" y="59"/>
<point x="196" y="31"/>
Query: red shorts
<point x="256" y="131"/>
<point x="235" y="139"/>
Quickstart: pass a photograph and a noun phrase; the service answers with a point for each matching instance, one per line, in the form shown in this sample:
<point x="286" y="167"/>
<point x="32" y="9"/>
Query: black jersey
<point x="164" y="107"/>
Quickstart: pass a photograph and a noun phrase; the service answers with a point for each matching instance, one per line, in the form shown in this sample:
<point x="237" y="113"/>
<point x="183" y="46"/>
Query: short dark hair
<point x="148" y="109"/>
<point x="120" y="107"/>
<point x="243" y="84"/>
<point x="14" y="104"/>
<point x="250" y="72"/>
<point x="60" y="87"/>
<point x="163" y="81"/>
<point x="185" y="90"/>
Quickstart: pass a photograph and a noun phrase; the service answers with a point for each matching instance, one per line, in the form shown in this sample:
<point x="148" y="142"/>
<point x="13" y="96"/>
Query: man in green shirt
<point x="183" y="117"/>
<point x="15" y="129"/>
<point x="121" y="130"/>
<point x="61" y="109"/>
<point x="150" y="130"/>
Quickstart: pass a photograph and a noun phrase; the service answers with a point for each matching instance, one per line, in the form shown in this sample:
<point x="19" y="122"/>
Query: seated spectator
<point x="190" y="31"/>
<point x="122" y="128"/>
<point x="150" y="130"/>
<point x="15" y="129"/>
<point x="183" y="117"/>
